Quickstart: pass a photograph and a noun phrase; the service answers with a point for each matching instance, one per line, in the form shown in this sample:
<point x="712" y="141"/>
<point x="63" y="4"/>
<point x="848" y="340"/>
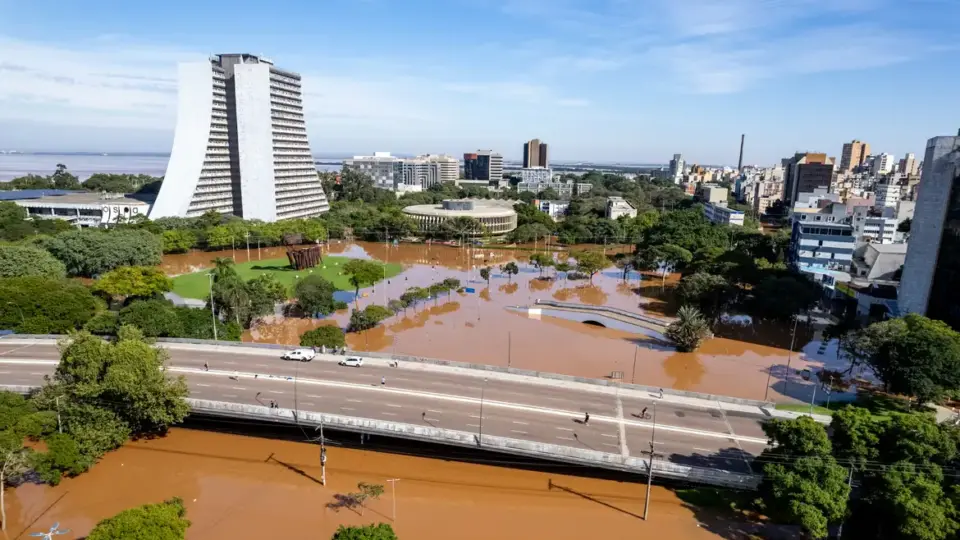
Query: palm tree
<point x="690" y="329"/>
<point x="223" y="267"/>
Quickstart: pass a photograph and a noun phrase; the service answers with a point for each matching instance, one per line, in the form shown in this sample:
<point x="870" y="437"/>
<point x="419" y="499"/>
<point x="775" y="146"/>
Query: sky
<point x="631" y="81"/>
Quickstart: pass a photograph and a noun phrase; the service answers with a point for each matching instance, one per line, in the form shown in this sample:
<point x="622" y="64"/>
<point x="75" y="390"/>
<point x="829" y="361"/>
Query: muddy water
<point x="243" y="487"/>
<point x="479" y="328"/>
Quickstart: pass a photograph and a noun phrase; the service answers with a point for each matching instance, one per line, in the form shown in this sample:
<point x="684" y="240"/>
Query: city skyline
<point x="602" y="81"/>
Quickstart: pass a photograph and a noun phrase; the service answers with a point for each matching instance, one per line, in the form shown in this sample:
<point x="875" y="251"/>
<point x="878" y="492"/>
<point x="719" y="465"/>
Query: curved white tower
<point x="241" y="144"/>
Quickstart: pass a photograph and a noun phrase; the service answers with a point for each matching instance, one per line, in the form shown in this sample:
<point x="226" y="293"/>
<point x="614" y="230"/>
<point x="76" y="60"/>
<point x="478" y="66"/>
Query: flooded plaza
<point x="236" y="486"/>
<point x="482" y="328"/>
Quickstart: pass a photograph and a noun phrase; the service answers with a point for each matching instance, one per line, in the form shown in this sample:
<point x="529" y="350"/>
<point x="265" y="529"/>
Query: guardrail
<point x="493" y="443"/>
<point x="617" y="311"/>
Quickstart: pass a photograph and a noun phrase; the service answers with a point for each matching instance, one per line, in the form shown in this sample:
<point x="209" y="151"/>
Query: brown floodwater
<point x="480" y="328"/>
<point x="245" y="487"/>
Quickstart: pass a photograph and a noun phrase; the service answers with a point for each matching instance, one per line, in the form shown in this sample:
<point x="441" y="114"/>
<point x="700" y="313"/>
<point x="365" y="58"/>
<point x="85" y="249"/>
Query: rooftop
<point x="893" y="249"/>
<point x="73" y="198"/>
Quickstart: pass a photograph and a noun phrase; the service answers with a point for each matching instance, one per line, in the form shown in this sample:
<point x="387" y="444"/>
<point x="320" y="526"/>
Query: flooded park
<point x="747" y="361"/>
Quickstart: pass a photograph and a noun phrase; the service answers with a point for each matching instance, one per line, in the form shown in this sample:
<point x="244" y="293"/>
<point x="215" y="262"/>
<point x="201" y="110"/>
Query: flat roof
<point x="893" y="249"/>
<point x="80" y="198"/>
<point x="479" y="210"/>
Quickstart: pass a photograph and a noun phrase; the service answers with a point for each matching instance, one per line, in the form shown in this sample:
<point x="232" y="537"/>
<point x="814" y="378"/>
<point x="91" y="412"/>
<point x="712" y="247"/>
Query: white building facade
<point x="241" y="145"/>
<point x="536" y="174"/>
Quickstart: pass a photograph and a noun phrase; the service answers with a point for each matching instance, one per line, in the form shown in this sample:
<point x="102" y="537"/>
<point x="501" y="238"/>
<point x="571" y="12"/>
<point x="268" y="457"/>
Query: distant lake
<point x="85" y="165"/>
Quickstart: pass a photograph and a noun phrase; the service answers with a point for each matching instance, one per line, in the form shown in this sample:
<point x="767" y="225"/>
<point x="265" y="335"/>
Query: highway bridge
<point x="708" y="439"/>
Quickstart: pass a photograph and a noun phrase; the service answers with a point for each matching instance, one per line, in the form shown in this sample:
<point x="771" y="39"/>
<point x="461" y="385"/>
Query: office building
<point x="712" y="193"/>
<point x="563" y="189"/>
<point x="931" y="274"/>
<point x="381" y="167"/>
<point x="677" y="167"/>
<point x="819" y="247"/>
<point x="618" y="206"/>
<point x="853" y="156"/>
<point x="535" y="174"/>
<point x="535" y="154"/>
<point x="449" y="166"/>
<point x="240" y="145"/>
<point x="555" y="209"/>
<point x="497" y="217"/>
<point x="872" y="227"/>
<point x="804" y="173"/>
<point x="483" y="165"/>
<point x="721" y="215"/>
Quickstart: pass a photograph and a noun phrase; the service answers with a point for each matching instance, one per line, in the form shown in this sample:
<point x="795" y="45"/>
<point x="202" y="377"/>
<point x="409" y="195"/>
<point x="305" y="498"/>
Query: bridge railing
<point x="606" y="309"/>
<point x="495" y="443"/>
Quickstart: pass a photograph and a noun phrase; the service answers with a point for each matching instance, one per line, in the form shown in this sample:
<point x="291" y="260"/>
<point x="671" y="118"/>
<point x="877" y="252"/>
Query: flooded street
<point x="480" y="328"/>
<point x="245" y="487"/>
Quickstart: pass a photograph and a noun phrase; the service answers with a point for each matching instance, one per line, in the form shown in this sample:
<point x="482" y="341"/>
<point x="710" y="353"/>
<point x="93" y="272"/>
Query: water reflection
<point x="478" y="327"/>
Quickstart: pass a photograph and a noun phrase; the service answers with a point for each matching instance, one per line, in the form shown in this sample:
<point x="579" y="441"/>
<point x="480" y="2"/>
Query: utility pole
<point x="247" y="236"/>
<point x="633" y="376"/>
<point x="59" y="423"/>
<point x="482" y="389"/>
<point x="323" y="456"/>
<point x="793" y="338"/>
<point x="213" y="312"/>
<point x="652" y="453"/>
<point x="258" y="248"/>
<point x="849" y="483"/>
<point x="393" y="495"/>
<point x="509" y="348"/>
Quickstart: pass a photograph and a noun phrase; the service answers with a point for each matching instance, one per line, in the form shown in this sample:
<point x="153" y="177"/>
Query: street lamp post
<point x="793" y="339"/>
<point x="482" y="390"/>
<point x="653" y="435"/>
<point x="393" y="495"/>
<point x="213" y="313"/>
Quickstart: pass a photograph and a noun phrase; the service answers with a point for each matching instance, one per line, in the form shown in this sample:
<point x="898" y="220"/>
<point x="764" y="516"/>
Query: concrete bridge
<point x="699" y="438"/>
<point x="606" y="316"/>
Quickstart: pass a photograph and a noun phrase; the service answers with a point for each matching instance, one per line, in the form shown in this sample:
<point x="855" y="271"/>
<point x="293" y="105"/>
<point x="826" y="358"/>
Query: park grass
<point x="880" y="405"/>
<point x="802" y="408"/>
<point x="197" y="285"/>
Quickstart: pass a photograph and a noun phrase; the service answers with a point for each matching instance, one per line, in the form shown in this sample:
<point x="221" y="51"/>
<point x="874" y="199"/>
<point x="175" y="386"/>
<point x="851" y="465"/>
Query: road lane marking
<point x="566" y="438"/>
<point x="388" y="414"/>
<point x="702" y="449"/>
<point x="474" y="416"/>
<point x="276" y="391"/>
<point x="433" y="411"/>
<point x="313" y="396"/>
<point x="355" y="400"/>
<point x="564" y="428"/>
<point x="607" y="435"/>
<point x="17" y="349"/>
<point x="227" y="362"/>
<point x="310" y="403"/>
<point x="611" y="445"/>
<point x="238" y="388"/>
<point x="37" y="373"/>
<point x="518" y="431"/>
<point x="473" y="425"/>
<point x="201" y="384"/>
<point x="521" y="423"/>
<point x="347" y="409"/>
<point x="230" y="395"/>
<point x="261" y="365"/>
<point x="394" y="406"/>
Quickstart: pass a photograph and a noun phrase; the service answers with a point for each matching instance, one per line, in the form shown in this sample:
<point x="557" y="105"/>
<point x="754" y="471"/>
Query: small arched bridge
<point x="607" y="316"/>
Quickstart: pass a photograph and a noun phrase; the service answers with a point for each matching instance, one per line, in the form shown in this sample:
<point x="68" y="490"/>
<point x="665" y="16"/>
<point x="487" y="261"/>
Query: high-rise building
<point x="483" y="165"/>
<point x="240" y="146"/>
<point x="887" y="194"/>
<point x="908" y="165"/>
<point x="677" y="168"/>
<point x="449" y="166"/>
<point x="931" y="273"/>
<point x="381" y="167"/>
<point x="535" y="154"/>
<point x="854" y="153"/>
<point x="804" y="173"/>
<point x="883" y="163"/>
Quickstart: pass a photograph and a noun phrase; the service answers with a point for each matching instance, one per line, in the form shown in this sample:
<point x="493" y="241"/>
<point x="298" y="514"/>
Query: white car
<point x="351" y="362"/>
<point x="301" y="355"/>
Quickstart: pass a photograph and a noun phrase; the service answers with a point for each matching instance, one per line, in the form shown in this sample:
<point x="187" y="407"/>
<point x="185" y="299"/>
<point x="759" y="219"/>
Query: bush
<point x="90" y="252"/>
<point x="42" y="305"/>
<point x="38" y="425"/>
<point x="315" y="295"/>
<point x="198" y="324"/>
<point x="324" y="336"/>
<point x="104" y="323"/>
<point x="62" y="458"/>
<point x="155" y="318"/>
<point x="19" y="261"/>
<point x="164" y="521"/>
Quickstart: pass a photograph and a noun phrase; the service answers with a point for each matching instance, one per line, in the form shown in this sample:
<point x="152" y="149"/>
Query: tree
<point x="380" y="531"/>
<point x="689" y="330"/>
<point x="126" y="376"/>
<point x="44" y="306"/>
<point x="784" y="297"/>
<point x="666" y="258"/>
<point x="709" y="293"/>
<point x="331" y="337"/>
<point x="62" y="458"/>
<point x="563" y="267"/>
<point x="13" y="463"/>
<point x="590" y="262"/>
<point x="541" y="261"/>
<point x="460" y="226"/>
<point x="91" y="252"/>
<point x="362" y="272"/>
<point x="366" y="492"/>
<point x="178" y="241"/>
<point x="625" y="265"/>
<point x="133" y="281"/>
<point x="510" y="269"/>
<point x="315" y="295"/>
<point x="904" y="225"/>
<point x="19" y="261"/>
<point x="367" y="318"/>
<point x="485" y="274"/>
<point x="163" y="521"/>
<point x="802" y="483"/>
<point x="396" y="305"/>
<point x="912" y="355"/>
<point x="264" y="292"/>
<point x="155" y="318"/>
<point x="530" y="232"/>
<point x="916" y="438"/>
<point x="856" y="436"/>
<point x="904" y="502"/>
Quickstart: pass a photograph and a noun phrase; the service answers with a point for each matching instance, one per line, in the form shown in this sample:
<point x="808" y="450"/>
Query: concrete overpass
<point x="707" y="439"/>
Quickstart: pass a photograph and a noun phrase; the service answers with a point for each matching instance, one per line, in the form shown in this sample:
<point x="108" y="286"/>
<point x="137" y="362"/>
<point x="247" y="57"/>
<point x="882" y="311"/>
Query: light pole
<point x="247" y="236"/>
<point x="482" y="390"/>
<point x="213" y="313"/>
<point x="393" y="495"/>
<point x="323" y="455"/>
<point x="633" y="376"/>
<point x="22" y="320"/>
<point x="653" y="434"/>
<point x="793" y="338"/>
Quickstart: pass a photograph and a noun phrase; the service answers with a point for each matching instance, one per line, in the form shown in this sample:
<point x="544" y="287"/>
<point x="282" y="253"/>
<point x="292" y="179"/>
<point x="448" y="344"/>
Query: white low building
<point x="721" y="215"/>
<point x="82" y="208"/>
<point x="618" y="206"/>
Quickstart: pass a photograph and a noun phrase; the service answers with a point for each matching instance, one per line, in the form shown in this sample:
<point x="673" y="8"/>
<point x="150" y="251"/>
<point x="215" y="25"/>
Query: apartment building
<point x="484" y="165"/>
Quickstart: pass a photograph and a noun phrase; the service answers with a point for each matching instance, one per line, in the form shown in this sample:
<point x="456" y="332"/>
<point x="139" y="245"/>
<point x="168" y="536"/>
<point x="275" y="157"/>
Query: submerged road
<point x="684" y="434"/>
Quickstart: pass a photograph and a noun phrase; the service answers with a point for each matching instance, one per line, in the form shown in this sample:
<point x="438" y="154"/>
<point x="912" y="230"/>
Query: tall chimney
<point x="740" y="163"/>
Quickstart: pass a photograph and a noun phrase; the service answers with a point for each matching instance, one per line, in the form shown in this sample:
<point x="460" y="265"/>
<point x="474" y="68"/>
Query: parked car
<point x="352" y="361"/>
<point x="300" y="355"/>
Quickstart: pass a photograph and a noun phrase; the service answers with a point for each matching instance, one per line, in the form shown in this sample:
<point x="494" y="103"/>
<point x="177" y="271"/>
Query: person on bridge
<point x="206" y="366"/>
<point x="383" y="381"/>
<point x="586" y="418"/>
<point x="661" y="393"/>
<point x="643" y="413"/>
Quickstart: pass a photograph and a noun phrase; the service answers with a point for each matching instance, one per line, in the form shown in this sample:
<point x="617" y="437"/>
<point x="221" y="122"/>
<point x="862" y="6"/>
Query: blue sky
<point x="610" y="80"/>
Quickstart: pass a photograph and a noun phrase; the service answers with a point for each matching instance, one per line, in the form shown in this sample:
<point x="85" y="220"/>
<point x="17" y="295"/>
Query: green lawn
<point x="880" y="406"/>
<point x="197" y="284"/>
<point x="801" y="408"/>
